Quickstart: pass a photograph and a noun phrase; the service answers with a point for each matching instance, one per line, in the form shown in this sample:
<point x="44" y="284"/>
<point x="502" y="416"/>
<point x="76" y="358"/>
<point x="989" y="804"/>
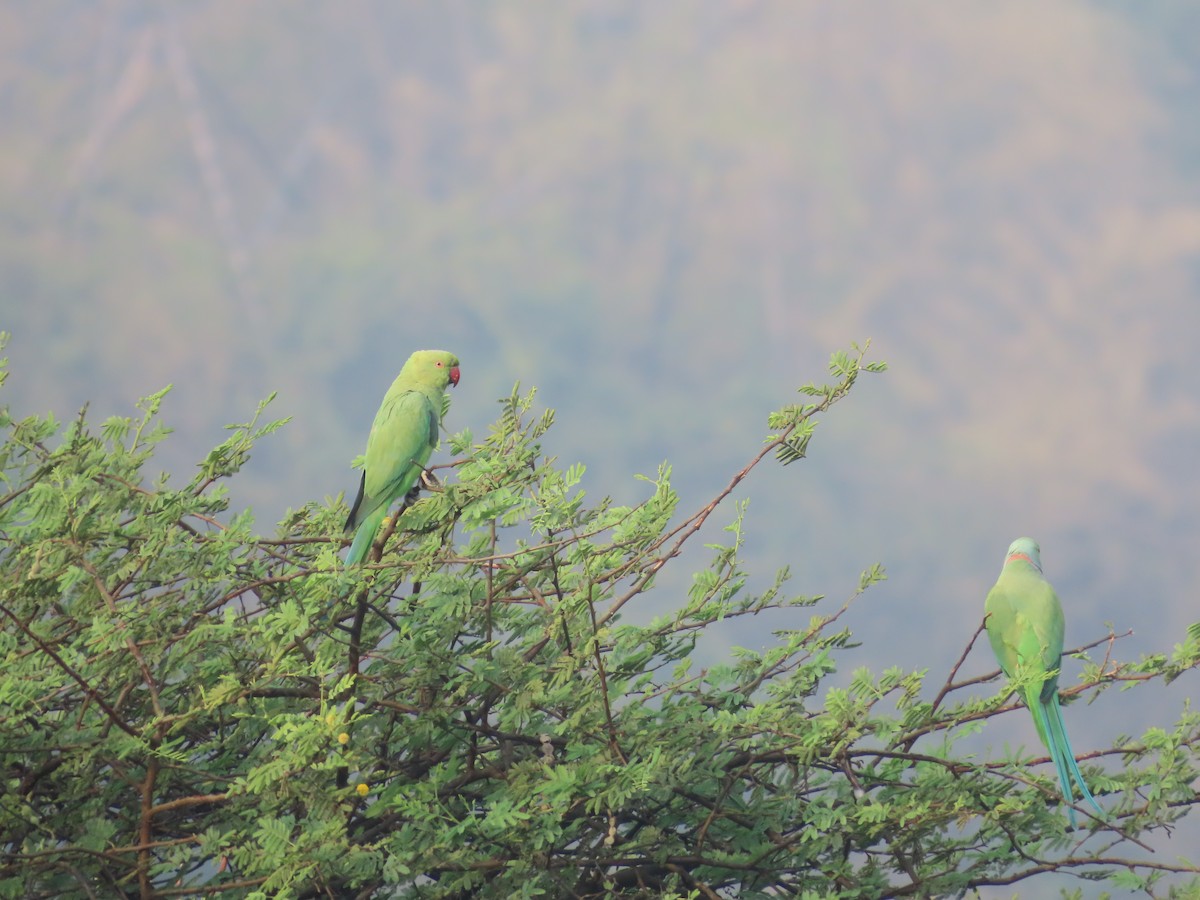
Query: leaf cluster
<point x="188" y="708"/>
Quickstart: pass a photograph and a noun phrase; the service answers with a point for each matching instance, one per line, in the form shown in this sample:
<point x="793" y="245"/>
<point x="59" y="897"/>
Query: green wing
<point x="402" y="437"/>
<point x="1025" y="626"/>
<point x="401" y="440"/>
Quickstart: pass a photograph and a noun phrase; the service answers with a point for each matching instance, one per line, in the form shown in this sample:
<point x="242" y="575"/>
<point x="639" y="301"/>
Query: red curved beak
<point x="454" y="375"/>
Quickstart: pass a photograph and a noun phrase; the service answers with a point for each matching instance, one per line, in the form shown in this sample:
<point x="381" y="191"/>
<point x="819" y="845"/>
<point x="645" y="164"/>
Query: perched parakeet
<point x="403" y="435"/>
<point x="1025" y="626"/>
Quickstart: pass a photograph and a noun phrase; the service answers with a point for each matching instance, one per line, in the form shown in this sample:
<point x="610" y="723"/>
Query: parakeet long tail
<point x="1050" y="724"/>
<point x="364" y="536"/>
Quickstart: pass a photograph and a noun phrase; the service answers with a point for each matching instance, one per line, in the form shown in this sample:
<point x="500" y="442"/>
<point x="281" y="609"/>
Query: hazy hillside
<point x="665" y="216"/>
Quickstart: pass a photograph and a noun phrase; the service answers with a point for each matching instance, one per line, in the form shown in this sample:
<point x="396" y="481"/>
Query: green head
<point x="1024" y="550"/>
<point x="436" y="368"/>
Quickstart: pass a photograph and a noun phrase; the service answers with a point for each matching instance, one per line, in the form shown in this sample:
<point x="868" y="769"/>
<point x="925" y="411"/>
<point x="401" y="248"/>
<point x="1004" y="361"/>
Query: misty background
<point x="664" y="216"/>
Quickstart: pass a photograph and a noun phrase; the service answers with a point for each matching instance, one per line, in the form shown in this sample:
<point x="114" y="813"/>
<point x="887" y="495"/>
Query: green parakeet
<point x="404" y="433"/>
<point x="1025" y="626"/>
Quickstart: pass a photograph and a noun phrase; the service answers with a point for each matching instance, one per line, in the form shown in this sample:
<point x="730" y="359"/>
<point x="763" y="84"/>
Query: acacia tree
<point x="189" y="709"/>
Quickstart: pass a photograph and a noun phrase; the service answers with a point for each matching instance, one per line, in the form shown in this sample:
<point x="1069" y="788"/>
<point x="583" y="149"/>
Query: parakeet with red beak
<point x="1025" y="626"/>
<point x="402" y="437"/>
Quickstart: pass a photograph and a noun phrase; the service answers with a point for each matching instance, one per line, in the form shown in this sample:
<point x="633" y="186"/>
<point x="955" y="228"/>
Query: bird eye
<point x="439" y="365"/>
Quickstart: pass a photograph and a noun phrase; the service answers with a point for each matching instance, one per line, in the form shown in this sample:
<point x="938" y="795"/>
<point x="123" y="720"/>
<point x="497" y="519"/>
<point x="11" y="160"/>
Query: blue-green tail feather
<point x="1059" y="745"/>
<point x="1043" y="715"/>
<point x="364" y="537"/>
<point x="1059" y="729"/>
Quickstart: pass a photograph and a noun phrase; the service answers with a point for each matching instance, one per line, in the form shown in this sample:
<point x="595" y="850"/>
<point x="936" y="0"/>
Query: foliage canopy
<point x="190" y="709"/>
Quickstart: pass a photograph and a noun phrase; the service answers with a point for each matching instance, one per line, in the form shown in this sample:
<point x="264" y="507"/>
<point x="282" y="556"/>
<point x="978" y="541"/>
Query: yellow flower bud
<point x="343" y="738"/>
<point x="362" y="790"/>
